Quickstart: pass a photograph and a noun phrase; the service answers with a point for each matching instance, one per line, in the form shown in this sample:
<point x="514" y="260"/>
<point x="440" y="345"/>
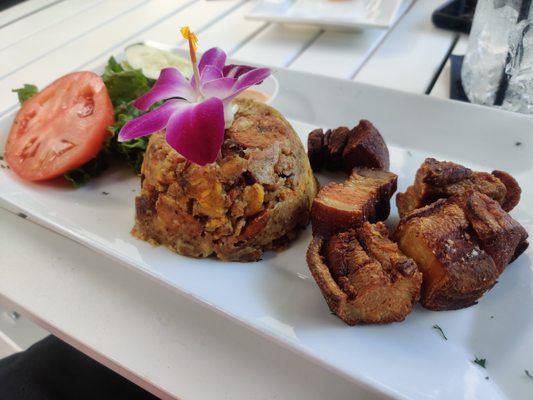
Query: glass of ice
<point x="498" y="67"/>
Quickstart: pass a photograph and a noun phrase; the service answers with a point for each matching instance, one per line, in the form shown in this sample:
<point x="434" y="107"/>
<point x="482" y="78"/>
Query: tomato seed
<point x="88" y="107"/>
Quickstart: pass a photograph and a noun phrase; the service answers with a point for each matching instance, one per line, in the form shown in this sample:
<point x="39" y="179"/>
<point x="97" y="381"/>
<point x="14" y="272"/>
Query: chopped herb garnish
<point x="439" y="329"/>
<point x="528" y="374"/>
<point x="480" y="361"/>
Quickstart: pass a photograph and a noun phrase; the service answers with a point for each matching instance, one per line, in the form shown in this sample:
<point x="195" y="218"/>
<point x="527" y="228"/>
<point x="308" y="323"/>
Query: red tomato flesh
<point x="60" y="128"/>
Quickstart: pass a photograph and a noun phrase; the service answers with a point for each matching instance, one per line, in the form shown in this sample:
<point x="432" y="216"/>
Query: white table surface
<point x="158" y="339"/>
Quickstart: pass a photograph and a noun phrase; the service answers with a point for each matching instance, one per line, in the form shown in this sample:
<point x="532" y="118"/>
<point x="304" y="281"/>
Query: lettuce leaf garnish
<point x="80" y="176"/>
<point x="133" y="150"/>
<point x="25" y="92"/>
<point x="124" y="86"/>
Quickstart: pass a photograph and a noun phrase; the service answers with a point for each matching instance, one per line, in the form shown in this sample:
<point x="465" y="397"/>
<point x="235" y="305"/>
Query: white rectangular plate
<point x="336" y="14"/>
<point x="278" y="298"/>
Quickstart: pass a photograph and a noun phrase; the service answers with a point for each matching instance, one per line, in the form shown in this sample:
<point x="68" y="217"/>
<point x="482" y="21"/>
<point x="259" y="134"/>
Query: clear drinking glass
<point x="498" y="66"/>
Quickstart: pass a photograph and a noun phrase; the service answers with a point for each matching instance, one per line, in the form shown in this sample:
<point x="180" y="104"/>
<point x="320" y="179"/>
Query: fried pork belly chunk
<point x="255" y="197"/>
<point x="365" y="148"/>
<point x="345" y="149"/>
<point x="335" y="141"/>
<point x="364" y="196"/>
<point x="461" y="245"/>
<point x="441" y="179"/>
<point x="363" y="275"/>
<point x="316" y="151"/>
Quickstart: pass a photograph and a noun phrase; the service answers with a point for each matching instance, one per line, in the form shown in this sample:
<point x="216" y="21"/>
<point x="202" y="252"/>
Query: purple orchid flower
<point x="193" y="112"/>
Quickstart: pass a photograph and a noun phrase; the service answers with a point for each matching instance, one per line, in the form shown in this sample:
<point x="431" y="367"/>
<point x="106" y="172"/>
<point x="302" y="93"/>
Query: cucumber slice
<point x="151" y="60"/>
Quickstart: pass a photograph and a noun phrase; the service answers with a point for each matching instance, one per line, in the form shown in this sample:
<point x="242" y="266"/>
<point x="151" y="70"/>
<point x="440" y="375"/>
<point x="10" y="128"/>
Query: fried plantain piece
<point x="364" y="196"/>
<point x="460" y="246"/>
<point x="441" y="179"/>
<point x="363" y="275"/>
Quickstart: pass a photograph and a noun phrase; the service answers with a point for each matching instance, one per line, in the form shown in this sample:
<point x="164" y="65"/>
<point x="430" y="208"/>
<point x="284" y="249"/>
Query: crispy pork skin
<point x="461" y="245"/>
<point x="255" y="197"/>
<point x="502" y="237"/>
<point x="363" y="275"/>
<point x="441" y="179"/>
<point x="512" y="196"/>
<point x="364" y="196"/>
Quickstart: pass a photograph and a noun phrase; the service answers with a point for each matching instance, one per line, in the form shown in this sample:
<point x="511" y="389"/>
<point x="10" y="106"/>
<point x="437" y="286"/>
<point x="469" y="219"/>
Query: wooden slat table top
<point x="13" y="14"/>
<point x="82" y="41"/>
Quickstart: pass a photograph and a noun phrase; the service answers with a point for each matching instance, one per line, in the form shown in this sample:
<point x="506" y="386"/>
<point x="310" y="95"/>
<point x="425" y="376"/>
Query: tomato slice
<point x="60" y="128"/>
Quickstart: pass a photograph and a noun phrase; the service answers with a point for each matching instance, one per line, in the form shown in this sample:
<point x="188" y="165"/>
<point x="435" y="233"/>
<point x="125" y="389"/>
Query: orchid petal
<point x="194" y="127"/>
<point x="210" y="73"/>
<point x="234" y="71"/>
<point x="214" y="57"/>
<point x="250" y="78"/>
<point x="150" y="122"/>
<point x="171" y="83"/>
<point x="197" y="131"/>
<point x="221" y="88"/>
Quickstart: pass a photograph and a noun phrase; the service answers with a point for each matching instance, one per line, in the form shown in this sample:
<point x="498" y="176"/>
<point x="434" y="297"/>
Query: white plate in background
<point x="277" y="297"/>
<point x="331" y="14"/>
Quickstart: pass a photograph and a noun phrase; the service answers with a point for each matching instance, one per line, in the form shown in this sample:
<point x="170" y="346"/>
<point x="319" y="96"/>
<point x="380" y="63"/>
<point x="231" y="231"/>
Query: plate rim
<point x="305" y="352"/>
